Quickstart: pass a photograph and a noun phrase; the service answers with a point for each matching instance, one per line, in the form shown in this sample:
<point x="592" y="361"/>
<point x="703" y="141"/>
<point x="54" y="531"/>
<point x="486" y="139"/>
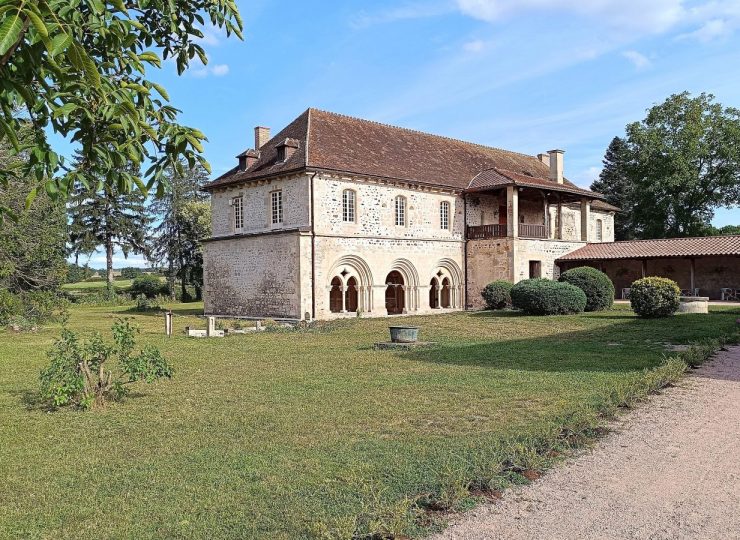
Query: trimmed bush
<point x="545" y="297"/>
<point x="654" y="297"/>
<point x="147" y="284"/>
<point x="598" y="287"/>
<point x="497" y="294"/>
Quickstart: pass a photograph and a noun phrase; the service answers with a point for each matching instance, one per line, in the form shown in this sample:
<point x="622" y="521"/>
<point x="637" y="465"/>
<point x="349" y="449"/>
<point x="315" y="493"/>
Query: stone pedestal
<point x="694" y="304"/>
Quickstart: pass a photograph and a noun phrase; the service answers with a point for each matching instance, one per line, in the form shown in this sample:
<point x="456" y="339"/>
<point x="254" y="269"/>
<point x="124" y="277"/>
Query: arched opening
<point x="433" y="296"/>
<point x="351" y="295"/>
<point x="335" y="295"/>
<point x="445" y="294"/>
<point x="394" y="293"/>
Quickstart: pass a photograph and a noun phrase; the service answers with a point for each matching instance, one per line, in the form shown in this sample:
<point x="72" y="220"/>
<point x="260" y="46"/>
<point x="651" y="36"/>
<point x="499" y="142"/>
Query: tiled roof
<point x="501" y="177"/>
<point x="702" y="246"/>
<point x="334" y="142"/>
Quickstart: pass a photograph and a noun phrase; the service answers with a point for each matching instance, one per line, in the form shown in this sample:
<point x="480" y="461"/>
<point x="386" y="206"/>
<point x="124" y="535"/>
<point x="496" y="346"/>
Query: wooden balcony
<point x="532" y="231"/>
<point x="482" y="232"/>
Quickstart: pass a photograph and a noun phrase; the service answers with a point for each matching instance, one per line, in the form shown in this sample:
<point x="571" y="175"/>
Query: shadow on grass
<point x="628" y="344"/>
<point x="31" y="400"/>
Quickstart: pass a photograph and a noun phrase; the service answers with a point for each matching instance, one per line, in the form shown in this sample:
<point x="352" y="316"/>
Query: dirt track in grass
<point x="670" y="469"/>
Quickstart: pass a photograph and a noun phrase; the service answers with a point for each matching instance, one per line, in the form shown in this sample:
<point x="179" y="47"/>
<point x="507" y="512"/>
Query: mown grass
<point x="314" y="433"/>
<point x="89" y="286"/>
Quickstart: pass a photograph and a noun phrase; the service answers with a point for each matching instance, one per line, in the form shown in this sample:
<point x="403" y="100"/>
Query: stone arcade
<point x="336" y="216"/>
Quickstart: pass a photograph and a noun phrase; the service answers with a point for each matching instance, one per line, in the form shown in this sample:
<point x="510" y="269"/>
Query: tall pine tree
<point x="184" y="220"/>
<point x="101" y="217"/>
<point x="614" y="183"/>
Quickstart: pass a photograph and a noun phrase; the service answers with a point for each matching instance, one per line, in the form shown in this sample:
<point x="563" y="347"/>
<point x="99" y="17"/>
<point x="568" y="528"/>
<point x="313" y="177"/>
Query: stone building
<point x="337" y="215"/>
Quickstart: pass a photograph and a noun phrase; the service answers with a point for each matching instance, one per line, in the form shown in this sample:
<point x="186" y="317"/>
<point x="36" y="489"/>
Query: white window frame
<point x="276" y="205"/>
<point x="400" y="211"/>
<point x="444" y="215"/>
<point x="599" y="230"/>
<point x="238" y="204"/>
<point x="349" y="206"/>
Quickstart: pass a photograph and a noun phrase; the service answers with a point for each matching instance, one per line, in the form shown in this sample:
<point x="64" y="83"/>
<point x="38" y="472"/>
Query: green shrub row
<point x="546" y="297"/>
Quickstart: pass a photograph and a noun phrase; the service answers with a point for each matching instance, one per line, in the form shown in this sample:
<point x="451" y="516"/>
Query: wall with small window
<point x="349" y="207"/>
<point x="261" y="205"/>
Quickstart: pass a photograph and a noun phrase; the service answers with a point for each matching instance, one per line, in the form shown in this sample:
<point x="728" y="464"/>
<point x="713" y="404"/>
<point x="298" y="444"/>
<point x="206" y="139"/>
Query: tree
<point x="684" y="162"/>
<point x="78" y="68"/>
<point x="723" y="231"/>
<point x="104" y="217"/>
<point x="184" y="220"/>
<point x="614" y="183"/>
<point x="32" y="247"/>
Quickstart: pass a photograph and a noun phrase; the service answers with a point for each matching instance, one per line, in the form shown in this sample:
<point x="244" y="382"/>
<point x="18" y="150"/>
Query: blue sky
<point x="525" y="75"/>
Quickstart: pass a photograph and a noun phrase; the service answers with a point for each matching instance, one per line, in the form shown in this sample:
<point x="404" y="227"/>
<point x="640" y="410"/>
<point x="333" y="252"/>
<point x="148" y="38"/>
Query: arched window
<point x="599" y="230"/>
<point x="401" y="211"/>
<point x="350" y="301"/>
<point x="445" y="294"/>
<point x="433" y="293"/>
<point x="348" y="205"/>
<point x="444" y="215"/>
<point x="335" y="295"/>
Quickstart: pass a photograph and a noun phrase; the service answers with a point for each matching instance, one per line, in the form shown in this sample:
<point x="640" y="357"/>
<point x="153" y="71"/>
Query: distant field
<point x="119" y="284"/>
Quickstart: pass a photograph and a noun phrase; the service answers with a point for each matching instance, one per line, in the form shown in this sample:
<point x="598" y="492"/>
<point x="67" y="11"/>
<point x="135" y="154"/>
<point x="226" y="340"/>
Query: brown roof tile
<point x="334" y="142"/>
<point x="702" y="246"/>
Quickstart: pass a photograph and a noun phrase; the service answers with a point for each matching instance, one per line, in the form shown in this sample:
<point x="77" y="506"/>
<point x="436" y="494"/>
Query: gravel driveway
<point x="670" y="469"/>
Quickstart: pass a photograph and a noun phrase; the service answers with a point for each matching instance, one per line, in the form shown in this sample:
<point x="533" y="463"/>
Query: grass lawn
<point x="90" y="286"/>
<point x="286" y="435"/>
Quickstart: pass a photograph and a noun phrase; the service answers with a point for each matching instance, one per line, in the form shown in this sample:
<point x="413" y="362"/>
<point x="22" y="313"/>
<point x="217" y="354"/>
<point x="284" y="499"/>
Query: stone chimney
<point x="556" y="165"/>
<point x="261" y="136"/>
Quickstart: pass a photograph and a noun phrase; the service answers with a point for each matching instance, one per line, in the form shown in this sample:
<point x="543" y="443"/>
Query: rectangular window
<point x="348" y="205"/>
<point x="599" y="230"/>
<point x="444" y="215"/>
<point x="535" y="269"/>
<point x="277" y="207"/>
<point x="238" y="204"/>
<point x="401" y="211"/>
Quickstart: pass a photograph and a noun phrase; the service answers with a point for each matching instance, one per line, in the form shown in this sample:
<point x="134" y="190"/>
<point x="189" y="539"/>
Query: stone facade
<point x="335" y="267"/>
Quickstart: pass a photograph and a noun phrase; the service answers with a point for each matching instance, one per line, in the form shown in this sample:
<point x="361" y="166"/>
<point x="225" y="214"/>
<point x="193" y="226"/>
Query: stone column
<point x="512" y="209"/>
<point x="585" y="218"/>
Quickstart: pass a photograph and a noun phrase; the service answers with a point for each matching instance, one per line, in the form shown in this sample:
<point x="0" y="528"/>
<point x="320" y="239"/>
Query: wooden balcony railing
<point x="532" y="231"/>
<point x="481" y="232"/>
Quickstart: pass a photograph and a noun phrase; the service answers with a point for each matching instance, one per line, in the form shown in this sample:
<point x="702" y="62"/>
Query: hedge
<point x="598" y="287"/>
<point x="655" y="297"/>
<point x="497" y="294"/>
<point x="545" y="297"/>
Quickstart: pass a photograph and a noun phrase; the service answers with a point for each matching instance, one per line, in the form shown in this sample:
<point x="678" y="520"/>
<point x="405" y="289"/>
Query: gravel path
<point x="670" y="469"/>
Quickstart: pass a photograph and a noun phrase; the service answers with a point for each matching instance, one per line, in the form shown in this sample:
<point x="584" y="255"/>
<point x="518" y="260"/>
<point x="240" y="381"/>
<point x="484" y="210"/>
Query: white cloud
<point x="655" y="16"/>
<point x="710" y="30"/>
<point x="197" y="69"/>
<point x="474" y="46"/>
<point x="219" y="70"/>
<point x="212" y="35"/>
<point x="406" y="12"/>
<point x="639" y="60"/>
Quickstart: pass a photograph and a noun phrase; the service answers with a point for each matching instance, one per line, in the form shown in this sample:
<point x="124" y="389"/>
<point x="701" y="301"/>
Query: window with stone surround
<point x="277" y="207"/>
<point x="401" y="211"/>
<point x="348" y="205"/>
<point x="444" y="215"/>
<point x="238" y="204"/>
<point x="599" y="230"/>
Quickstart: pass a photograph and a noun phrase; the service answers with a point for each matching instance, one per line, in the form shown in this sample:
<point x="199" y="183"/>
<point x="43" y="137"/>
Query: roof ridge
<point x="672" y="239"/>
<point x="419" y="132"/>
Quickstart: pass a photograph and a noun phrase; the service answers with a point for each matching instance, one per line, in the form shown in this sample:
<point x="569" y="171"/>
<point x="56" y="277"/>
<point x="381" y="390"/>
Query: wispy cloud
<point x="474" y="46"/>
<point x="639" y="60"/>
<point x="401" y="13"/>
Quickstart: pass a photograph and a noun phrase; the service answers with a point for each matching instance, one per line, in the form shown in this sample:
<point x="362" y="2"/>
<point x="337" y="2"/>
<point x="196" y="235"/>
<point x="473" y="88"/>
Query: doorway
<point x="394" y="293"/>
<point x="535" y="269"/>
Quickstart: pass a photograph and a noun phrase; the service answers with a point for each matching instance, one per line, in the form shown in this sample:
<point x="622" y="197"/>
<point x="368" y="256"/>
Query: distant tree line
<point x="672" y="170"/>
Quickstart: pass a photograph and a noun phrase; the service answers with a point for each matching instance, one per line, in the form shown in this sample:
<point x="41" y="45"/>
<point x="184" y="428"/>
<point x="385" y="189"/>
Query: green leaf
<point x="38" y="24"/>
<point x="31" y="196"/>
<point x="59" y="43"/>
<point x="64" y="110"/>
<point x="162" y="92"/>
<point x="10" y="31"/>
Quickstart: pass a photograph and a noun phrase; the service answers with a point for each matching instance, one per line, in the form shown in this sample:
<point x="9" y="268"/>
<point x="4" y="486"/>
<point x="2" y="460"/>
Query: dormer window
<point x="286" y="149"/>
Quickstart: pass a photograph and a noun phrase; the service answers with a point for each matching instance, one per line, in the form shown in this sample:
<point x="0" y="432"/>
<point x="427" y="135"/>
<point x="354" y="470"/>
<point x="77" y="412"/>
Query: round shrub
<point x="147" y="284"/>
<point x="598" y="287"/>
<point x="497" y="294"/>
<point x="545" y="297"/>
<point x="654" y="297"/>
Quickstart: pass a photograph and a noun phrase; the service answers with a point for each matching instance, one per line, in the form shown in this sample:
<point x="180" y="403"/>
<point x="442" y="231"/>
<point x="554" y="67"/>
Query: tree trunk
<point x="171" y="279"/>
<point x="109" y="263"/>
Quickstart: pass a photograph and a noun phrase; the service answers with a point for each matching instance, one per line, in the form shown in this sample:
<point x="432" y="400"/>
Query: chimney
<point x="556" y="165"/>
<point x="247" y="159"/>
<point x="261" y="136"/>
<point x="544" y="158"/>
